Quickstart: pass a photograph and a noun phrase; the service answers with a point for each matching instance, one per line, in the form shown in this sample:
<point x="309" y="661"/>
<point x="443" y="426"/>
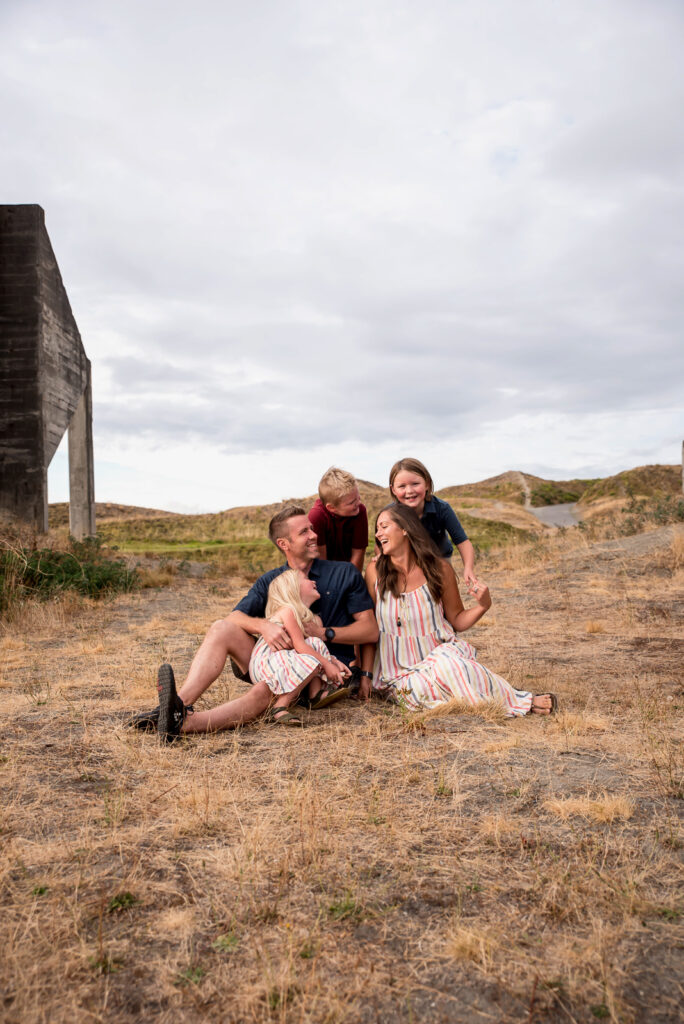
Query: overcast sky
<point x="303" y="233"/>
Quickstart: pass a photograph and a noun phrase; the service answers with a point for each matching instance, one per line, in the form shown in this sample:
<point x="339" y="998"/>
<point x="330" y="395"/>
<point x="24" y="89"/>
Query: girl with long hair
<point x="288" y="672"/>
<point x="418" y="660"/>
<point x="411" y="485"/>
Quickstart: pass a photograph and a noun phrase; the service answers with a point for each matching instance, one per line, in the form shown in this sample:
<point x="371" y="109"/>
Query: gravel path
<point x="556" y="515"/>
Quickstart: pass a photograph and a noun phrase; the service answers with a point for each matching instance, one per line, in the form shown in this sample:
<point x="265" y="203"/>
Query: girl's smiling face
<point x="410" y="489"/>
<point x="308" y="591"/>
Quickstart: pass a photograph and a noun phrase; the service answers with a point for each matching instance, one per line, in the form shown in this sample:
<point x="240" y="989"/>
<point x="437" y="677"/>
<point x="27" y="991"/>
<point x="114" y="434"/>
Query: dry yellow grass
<point x="470" y="944"/>
<point x="606" y="808"/>
<point x="373" y="867"/>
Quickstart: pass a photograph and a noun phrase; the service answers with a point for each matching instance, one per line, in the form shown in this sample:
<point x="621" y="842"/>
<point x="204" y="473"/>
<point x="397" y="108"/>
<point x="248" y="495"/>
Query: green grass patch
<point x="486" y="534"/>
<point x="122" y="901"/>
<point x="552" y="493"/>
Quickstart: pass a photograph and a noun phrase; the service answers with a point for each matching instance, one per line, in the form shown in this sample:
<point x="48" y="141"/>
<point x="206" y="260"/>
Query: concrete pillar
<point x="44" y="376"/>
<point x="23" y="469"/>
<point x="81" y="468"/>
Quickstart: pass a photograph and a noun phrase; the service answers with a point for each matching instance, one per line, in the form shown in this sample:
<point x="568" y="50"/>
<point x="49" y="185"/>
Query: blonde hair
<point x="284" y="590"/>
<point x="334" y="484"/>
<point x="413" y="466"/>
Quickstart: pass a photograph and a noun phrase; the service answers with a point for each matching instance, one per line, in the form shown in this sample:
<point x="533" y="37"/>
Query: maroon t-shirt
<point x="339" y="534"/>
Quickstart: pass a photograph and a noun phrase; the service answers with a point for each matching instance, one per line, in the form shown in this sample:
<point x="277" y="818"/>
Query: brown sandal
<point x="552" y="710"/>
<point x="281" y="716"/>
<point x="328" y="695"/>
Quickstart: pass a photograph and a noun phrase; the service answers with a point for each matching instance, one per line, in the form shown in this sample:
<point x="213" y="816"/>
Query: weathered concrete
<point x="44" y="377"/>
<point x="81" y="475"/>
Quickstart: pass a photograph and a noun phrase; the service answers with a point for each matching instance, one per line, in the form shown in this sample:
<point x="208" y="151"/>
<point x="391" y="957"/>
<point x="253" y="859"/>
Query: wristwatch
<point x="329" y="634"/>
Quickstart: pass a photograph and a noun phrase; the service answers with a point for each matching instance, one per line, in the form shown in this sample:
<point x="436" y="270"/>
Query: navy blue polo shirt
<point x="441" y="522"/>
<point x="343" y="595"/>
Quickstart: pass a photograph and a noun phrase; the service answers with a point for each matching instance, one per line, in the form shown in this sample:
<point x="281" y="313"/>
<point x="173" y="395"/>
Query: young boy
<point x="340" y="519"/>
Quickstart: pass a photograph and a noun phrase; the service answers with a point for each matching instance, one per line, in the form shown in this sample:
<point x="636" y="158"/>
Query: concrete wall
<point x="44" y="376"/>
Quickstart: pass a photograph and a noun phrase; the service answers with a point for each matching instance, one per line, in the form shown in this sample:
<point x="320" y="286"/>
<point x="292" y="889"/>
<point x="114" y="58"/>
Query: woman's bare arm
<point x="460" y="617"/>
<point x="368" y="650"/>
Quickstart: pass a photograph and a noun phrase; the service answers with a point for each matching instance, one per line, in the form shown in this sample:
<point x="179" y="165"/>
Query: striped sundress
<point x="284" y="671"/>
<point x="422" y="663"/>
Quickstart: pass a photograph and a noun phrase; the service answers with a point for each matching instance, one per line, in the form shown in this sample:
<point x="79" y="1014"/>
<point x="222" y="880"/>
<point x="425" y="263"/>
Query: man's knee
<point x="233" y="642"/>
<point x="227" y="633"/>
<point x="260" y="696"/>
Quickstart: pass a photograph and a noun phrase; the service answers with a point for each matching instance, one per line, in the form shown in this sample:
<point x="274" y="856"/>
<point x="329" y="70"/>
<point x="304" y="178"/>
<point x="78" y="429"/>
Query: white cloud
<point x="360" y="229"/>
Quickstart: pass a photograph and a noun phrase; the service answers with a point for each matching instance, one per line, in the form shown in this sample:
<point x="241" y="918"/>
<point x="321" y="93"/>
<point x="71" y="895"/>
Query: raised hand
<point x="480" y="591"/>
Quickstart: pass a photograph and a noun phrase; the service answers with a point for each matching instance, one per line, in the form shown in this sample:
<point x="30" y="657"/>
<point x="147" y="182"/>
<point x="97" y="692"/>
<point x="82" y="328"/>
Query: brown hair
<point x="423" y="549"/>
<point x="278" y="528"/>
<point x="335" y="484"/>
<point x="413" y="466"/>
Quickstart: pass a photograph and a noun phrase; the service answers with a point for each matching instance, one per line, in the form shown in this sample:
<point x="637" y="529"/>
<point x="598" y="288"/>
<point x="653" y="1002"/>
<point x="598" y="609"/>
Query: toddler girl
<point x="286" y="673"/>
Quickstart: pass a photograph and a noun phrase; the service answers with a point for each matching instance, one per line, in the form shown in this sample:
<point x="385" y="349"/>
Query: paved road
<point x="557" y="515"/>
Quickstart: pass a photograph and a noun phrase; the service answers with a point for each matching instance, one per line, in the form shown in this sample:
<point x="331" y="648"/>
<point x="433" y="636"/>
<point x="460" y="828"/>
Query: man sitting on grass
<point x="344" y="607"/>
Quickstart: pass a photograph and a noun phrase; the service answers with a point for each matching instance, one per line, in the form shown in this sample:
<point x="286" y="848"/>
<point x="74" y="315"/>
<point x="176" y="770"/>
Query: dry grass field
<point x="373" y="867"/>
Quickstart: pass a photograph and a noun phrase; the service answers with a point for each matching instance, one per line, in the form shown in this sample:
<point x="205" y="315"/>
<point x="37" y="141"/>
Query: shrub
<point x="550" y="493"/>
<point x="660" y="510"/>
<point x="45" y="572"/>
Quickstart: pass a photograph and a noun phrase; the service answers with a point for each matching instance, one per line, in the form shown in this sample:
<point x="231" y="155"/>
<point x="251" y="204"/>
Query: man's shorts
<point x="238" y="673"/>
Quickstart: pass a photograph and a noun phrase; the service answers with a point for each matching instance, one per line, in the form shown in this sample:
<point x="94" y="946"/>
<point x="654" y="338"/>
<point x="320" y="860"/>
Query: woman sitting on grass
<point x="418" y="661"/>
<point x="288" y="672"/>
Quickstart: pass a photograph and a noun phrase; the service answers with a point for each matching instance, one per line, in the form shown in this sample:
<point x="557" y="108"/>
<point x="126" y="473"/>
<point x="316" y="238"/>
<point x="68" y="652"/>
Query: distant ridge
<point x="59" y="512"/>
<point x="643" y="481"/>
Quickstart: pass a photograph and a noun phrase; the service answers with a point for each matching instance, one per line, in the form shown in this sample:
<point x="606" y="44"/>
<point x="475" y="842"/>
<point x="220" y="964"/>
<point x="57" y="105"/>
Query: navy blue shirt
<point x="343" y="595"/>
<point x="441" y="522"/>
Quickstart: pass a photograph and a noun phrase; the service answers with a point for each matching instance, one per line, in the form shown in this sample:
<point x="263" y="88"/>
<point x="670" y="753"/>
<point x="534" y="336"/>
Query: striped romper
<point x="422" y="663"/>
<point x="284" y="671"/>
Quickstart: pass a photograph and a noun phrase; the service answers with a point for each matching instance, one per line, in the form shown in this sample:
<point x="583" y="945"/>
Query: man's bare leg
<point x="223" y="638"/>
<point x="242" y="709"/>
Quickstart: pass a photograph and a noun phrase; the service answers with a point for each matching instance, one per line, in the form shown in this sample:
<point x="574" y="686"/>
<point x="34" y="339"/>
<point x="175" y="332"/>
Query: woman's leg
<point x="446" y="674"/>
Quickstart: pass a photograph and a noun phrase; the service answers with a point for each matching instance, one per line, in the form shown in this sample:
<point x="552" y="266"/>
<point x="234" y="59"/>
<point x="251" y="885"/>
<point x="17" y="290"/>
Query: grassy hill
<point x="238" y="537"/>
<point x="492" y="512"/>
<point x="642" y="482"/>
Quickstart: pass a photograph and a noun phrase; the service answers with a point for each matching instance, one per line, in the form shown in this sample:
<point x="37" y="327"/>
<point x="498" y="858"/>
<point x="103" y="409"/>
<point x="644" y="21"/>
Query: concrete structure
<point x="44" y="378"/>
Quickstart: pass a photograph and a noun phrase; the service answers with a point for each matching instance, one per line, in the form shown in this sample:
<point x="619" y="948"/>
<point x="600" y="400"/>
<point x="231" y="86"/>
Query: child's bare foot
<point x="315" y="687"/>
<point x="544" y="704"/>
